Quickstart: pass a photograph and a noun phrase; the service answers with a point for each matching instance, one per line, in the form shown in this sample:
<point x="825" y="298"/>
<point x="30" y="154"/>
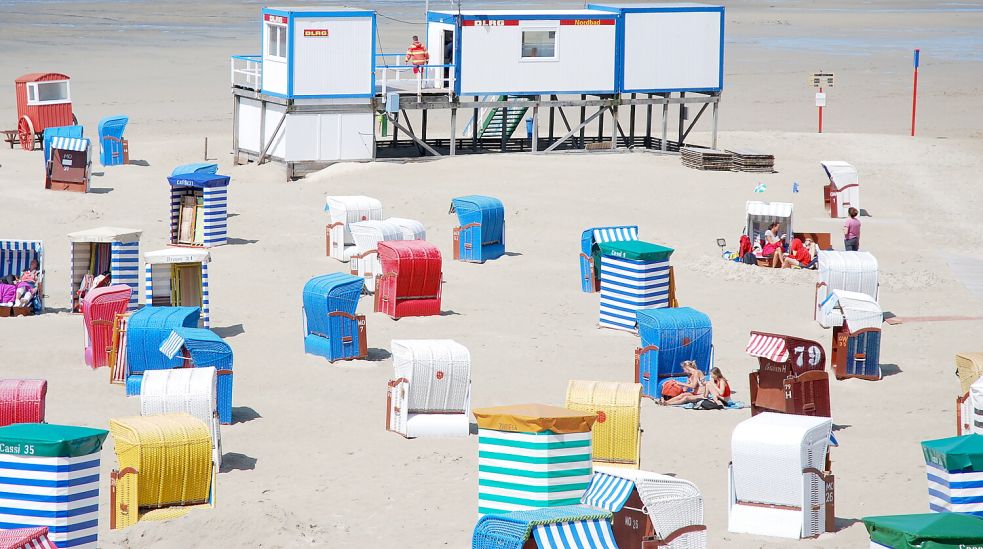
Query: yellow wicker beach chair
<point x="617" y="433"/>
<point x="969" y="367"/>
<point x="164" y="461"/>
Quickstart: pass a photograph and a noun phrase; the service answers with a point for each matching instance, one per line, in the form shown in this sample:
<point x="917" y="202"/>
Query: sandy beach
<point x="308" y="461"/>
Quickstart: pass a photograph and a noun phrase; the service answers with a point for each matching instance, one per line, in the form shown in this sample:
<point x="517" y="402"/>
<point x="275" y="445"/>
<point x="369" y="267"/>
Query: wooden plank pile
<point x="749" y="160"/>
<point x="706" y="159"/>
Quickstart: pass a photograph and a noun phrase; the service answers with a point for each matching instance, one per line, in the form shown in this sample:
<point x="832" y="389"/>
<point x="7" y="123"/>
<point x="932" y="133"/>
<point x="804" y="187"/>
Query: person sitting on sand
<point x="773" y="243"/>
<point x="27" y="285"/>
<point x="718" y="389"/>
<point x="799" y="254"/>
<point x="694" y="389"/>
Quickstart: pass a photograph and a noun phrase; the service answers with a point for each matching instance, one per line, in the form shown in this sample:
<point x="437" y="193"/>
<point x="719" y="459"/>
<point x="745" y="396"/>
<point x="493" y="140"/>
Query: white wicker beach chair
<point x="190" y="390"/>
<point x="343" y="211"/>
<point x="850" y="271"/>
<point x="367" y="234"/>
<point x="431" y="394"/>
<point x="412" y="229"/>
<point x="777" y="476"/>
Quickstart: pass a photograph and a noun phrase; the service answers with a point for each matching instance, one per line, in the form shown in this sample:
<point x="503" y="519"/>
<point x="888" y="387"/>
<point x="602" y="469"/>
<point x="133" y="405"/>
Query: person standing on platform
<point x="417" y="55"/>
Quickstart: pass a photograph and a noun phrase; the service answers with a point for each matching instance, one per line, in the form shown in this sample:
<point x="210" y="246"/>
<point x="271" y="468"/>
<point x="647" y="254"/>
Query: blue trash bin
<point x="529" y="128"/>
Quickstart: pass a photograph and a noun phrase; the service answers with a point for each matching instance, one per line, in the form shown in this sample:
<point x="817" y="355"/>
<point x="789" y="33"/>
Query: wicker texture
<point x="439" y="372"/>
<point x="205" y="349"/>
<point x="672" y="504"/>
<point x="172" y="455"/>
<point x="146" y="329"/>
<point x="410" y="281"/>
<point x="329" y="313"/>
<point x="969" y="368"/>
<point x="22" y="400"/>
<point x="617" y="432"/>
<point x="677" y="334"/>
<point x="99" y="310"/>
<point x="368" y="235"/>
<point x="190" y="390"/>
<point x="26" y="538"/>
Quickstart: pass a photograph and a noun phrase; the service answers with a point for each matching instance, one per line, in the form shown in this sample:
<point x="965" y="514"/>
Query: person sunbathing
<point x="718" y="389"/>
<point x="694" y="388"/>
<point x="27" y="285"/>
<point x="8" y="290"/>
<point x="799" y="254"/>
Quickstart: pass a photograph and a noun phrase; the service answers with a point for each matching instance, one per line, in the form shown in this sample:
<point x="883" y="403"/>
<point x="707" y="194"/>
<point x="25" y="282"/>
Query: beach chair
<point x="570" y="526"/>
<point x="331" y="327"/>
<point x="22" y="400"/>
<point x="50" y="476"/>
<point x="590" y="252"/>
<point x="843" y="190"/>
<point x="856" y="345"/>
<point x="480" y="234"/>
<point x="954" y="466"/>
<point x="15" y="258"/>
<point x="540" y="454"/>
<point x="343" y="211"/>
<point x="430" y="395"/>
<point x="634" y="275"/>
<point x="779" y="480"/>
<point x="165" y="468"/>
<point x="112" y="249"/>
<point x="410" y="283"/>
<point x="617" y="431"/>
<point x="146" y="330"/>
<point x="969" y="368"/>
<point x="649" y="510"/>
<point x="670" y="336"/>
<point x="790" y="378"/>
<point x="969" y="403"/>
<point x="117" y="353"/>
<point x="190" y="390"/>
<point x="762" y="214"/>
<point x="178" y="277"/>
<point x="368" y="234"/>
<point x="113" y="149"/>
<point x="99" y="309"/>
<point x="26" y="538"/>
<point x="69" y="168"/>
<point x="199" y="209"/>
<point x="924" y="530"/>
<point x="850" y="271"/>
<point x="74" y="131"/>
<point x="412" y="229"/>
<point x="203" y="348"/>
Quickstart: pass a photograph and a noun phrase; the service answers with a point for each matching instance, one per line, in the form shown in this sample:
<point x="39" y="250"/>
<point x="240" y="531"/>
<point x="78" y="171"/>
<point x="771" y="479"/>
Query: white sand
<point x="315" y="466"/>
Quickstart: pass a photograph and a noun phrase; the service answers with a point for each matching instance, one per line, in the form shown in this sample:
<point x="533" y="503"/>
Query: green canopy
<point x="925" y="531"/>
<point x="955" y="453"/>
<point x="637" y="250"/>
<point x="45" y="440"/>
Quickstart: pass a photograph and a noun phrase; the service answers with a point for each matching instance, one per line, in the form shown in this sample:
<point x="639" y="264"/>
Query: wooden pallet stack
<point x="706" y="159"/>
<point x="749" y="160"/>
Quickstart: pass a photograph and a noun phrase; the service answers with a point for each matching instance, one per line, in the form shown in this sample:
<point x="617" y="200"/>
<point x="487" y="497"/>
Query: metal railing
<point x="247" y="71"/>
<point x="426" y="77"/>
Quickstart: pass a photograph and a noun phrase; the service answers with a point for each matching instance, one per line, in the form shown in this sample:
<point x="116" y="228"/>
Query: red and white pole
<point x="914" y="93"/>
<point x="820" y="113"/>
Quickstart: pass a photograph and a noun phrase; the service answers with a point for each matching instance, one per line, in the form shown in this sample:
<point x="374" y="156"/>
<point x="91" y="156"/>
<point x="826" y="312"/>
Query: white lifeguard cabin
<point x="316" y="83"/>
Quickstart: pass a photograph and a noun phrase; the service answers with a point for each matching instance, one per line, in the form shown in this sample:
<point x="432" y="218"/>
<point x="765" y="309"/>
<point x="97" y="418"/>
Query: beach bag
<point x="707" y="404"/>
<point x="671" y="388"/>
<point x="750" y="259"/>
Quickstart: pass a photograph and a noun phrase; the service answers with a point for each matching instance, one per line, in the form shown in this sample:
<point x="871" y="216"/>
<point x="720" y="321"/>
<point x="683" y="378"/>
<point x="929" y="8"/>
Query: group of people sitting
<point x="774" y="249"/>
<point x="88" y="284"/>
<point x="696" y="388"/>
<point x="20" y="291"/>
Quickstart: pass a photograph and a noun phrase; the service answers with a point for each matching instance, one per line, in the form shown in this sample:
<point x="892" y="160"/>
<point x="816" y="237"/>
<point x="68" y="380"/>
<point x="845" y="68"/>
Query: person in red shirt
<point x="798" y="254"/>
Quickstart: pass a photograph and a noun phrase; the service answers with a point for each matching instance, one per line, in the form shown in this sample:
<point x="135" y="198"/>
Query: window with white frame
<point x="48" y="93"/>
<point x="539" y="44"/>
<point x="276" y="40"/>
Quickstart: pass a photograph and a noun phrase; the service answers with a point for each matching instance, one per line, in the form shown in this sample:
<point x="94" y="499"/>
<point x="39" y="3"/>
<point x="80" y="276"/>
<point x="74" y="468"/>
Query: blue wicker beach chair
<point x="146" y="330"/>
<point x="590" y="252"/>
<point x="331" y="328"/>
<point x="201" y="348"/>
<point x="565" y="527"/>
<point x="58" y="131"/>
<point x="669" y="337"/>
<point x="480" y="235"/>
<point x="113" y="149"/>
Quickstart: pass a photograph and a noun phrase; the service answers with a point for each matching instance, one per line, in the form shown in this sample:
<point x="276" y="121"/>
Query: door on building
<point x="448" y="57"/>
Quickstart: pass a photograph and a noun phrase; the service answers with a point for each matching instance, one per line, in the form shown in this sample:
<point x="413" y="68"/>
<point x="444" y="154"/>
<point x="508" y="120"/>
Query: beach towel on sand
<point x="733" y="405"/>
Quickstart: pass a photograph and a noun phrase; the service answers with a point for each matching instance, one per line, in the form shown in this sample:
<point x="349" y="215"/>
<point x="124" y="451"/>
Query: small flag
<point x="760" y="188"/>
<point x="795" y="187"/>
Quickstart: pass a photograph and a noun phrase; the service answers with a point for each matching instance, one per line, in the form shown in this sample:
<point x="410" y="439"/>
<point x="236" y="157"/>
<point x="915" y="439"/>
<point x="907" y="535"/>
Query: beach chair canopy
<point x="49" y="440"/>
<point x="204" y="346"/>
<point x="171" y="453"/>
<point x="919" y="531"/>
<point x="177" y="255"/>
<point x="853" y="271"/>
<point x="198" y="180"/>
<point x="70" y="143"/>
<point x="535" y="418"/>
<point x="486" y="210"/>
<point x="190" y="390"/>
<point x="969" y="368"/>
<point x="147" y="328"/>
<point x="858" y="310"/>
<point x="16" y="256"/>
<point x="368" y="234"/>
<point x="955" y="454"/>
<point x="591" y="238"/>
<point x="412" y="229"/>
<point x="106" y="234"/>
<point x="680" y="333"/>
<point x="26" y="538"/>
<point x="195" y="167"/>
<point x="22" y="400"/>
<point x="841" y="174"/>
<point x="351" y="209"/>
<point x="799" y="355"/>
<point x="562" y="527"/>
<point x="417" y="264"/>
<point x="59" y="131"/>
<point x="330" y="293"/>
<point x="769" y="452"/>
<point x="762" y="214"/>
<point x="616" y="433"/>
<point x="438" y="371"/>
